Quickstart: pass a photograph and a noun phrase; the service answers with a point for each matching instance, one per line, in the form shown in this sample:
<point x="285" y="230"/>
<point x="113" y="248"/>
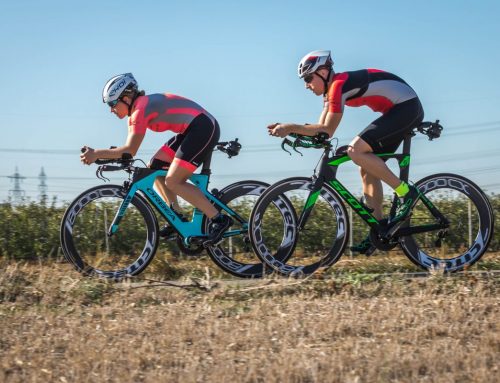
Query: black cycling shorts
<point x="386" y="133"/>
<point x="191" y="147"/>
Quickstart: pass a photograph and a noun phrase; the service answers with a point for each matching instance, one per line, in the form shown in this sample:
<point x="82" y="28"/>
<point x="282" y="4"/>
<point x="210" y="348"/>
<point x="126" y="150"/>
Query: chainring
<point x="192" y="250"/>
<point x="376" y="240"/>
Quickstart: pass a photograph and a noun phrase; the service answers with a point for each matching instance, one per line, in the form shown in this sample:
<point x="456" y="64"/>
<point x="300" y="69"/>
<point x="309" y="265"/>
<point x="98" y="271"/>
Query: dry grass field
<point x="346" y="325"/>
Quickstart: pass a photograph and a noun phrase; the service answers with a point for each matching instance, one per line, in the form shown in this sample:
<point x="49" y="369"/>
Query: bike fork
<point x="311" y="200"/>
<point x="113" y="228"/>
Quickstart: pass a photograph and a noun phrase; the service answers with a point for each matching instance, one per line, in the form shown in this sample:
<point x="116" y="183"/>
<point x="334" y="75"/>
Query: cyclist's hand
<point x="278" y="130"/>
<point x="88" y="155"/>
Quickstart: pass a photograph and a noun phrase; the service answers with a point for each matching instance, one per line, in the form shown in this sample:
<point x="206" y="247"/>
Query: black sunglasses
<point x="112" y="104"/>
<point x="308" y="78"/>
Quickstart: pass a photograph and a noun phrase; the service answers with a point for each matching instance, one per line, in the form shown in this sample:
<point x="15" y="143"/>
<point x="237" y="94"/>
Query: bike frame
<point x="143" y="181"/>
<point x="328" y="175"/>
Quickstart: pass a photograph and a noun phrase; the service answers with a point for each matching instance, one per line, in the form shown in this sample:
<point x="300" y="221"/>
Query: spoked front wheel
<point x="85" y="240"/>
<point x="470" y="217"/>
<point x="320" y="240"/>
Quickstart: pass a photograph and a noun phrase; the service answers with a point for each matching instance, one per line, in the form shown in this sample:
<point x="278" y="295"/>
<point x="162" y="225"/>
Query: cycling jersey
<point x="374" y="88"/>
<point x="161" y="112"/>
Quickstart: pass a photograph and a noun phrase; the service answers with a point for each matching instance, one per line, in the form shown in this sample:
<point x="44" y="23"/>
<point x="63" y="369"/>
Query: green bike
<point x="449" y="228"/>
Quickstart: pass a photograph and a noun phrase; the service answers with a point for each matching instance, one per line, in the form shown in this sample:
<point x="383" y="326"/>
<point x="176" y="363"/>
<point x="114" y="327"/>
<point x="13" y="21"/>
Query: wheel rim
<point x="320" y="244"/>
<point x="471" y="224"/>
<point x="87" y="245"/>
<point x="235" y="254"/>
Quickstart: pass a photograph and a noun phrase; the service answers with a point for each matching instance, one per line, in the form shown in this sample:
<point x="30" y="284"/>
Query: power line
<point x="485" y="127"/>
<point x="416" y="163"/>
<point x="304" y="171"/>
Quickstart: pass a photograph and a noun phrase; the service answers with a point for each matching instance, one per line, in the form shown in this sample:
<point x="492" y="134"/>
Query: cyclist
<point x="381" y="91"/>
<point x="197" y="134"/>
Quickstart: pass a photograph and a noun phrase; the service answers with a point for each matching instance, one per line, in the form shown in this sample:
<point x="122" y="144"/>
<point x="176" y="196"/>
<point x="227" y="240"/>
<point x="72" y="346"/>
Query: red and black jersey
<point x="161" y="112"/>
<point x="374" y="88"/>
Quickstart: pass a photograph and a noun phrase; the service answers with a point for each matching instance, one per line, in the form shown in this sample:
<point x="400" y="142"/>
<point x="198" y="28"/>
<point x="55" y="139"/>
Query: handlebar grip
<point x="104" y="162"/>
<point x="111" y="168"/>
<point x="323" y="136"/>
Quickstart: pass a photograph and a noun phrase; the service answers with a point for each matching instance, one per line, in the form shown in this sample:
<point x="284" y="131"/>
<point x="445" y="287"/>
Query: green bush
<point x="31" y="231"/>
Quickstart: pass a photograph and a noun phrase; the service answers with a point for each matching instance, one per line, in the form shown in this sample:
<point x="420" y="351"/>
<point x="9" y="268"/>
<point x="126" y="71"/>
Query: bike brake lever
<point x="99" y="175"/>
<point x="286" y="141"/>
<point x="295" y="146"/>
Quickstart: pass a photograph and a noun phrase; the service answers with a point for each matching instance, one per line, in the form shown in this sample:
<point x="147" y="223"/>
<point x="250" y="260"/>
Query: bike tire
<point x="84" y="230"/>
<point x="234" y="254"/>
<point x="321" y="242"/>
<point x="471" y="224"/>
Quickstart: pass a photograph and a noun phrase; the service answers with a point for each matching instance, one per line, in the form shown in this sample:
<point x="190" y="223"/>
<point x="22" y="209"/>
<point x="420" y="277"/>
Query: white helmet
<point x="313" y="61"/>
<point x="117" y="86"/>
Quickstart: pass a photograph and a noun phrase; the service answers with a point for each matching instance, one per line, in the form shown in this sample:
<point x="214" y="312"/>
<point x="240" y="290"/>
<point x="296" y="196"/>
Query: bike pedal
<point x="370" y="251"/>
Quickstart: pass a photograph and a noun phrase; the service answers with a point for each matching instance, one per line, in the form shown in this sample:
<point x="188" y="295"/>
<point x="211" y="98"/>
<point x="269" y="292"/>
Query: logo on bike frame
<point x="353" y="202"/>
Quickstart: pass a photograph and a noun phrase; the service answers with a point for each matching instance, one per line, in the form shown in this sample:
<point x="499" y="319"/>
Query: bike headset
<point x="120" y="86"/>
<point x="314" y="61"/>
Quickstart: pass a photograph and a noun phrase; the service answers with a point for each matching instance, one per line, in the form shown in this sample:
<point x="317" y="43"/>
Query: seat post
<point x="205" y="168"/>
<point x="404" y="173"/>
<point x="407" y="143"/>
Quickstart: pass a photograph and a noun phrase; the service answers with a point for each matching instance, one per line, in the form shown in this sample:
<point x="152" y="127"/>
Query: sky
<point x="239" y="61"/>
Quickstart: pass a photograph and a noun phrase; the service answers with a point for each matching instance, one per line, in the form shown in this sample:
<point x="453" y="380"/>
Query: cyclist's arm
<point x="132" y="145"/>
<point x="322" y="117"/>
<point x="331" y="122"/>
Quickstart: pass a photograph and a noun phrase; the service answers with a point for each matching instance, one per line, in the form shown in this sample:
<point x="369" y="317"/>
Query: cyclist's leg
<point x="385" y="135"/>
<point x="199" y="139"/>
<point x="373" y="192"/>
<point x="162" y="160"/>
<point x="362" y="155"/>
<point x="176" y="183"/>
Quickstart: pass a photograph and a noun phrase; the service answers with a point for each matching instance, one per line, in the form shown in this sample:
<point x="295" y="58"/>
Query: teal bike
<point x="112" y="230"/>
<point x="449" y="228"/>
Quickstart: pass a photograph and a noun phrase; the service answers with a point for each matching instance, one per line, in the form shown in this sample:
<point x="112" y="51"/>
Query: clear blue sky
<point x="238" y="60"/>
